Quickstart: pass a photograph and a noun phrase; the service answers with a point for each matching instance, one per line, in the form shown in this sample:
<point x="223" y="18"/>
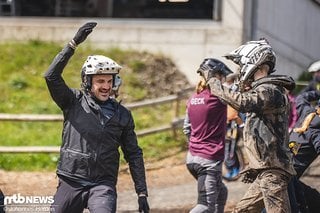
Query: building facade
<point x="185" y="30"/>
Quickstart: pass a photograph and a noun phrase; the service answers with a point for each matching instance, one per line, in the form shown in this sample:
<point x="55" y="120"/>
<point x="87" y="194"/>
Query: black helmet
<point x="211" y="66"/>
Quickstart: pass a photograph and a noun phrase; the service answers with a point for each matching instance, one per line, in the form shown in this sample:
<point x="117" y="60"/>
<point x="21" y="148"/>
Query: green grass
<point x="24" y="91"/>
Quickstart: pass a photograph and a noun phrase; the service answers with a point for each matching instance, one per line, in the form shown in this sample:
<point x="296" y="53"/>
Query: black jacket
<point x="304" y="108"/>
<point x="89" y="151"/>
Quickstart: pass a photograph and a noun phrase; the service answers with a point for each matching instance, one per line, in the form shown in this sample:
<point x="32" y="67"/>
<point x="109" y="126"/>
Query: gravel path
<point x="171" y="187"/>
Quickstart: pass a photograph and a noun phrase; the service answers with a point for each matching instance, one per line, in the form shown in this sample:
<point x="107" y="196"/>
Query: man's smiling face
<point x="101" y="86"/>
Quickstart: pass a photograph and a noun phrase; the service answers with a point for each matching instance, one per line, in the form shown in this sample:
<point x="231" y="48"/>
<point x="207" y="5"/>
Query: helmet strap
<point x="86" y="83"/>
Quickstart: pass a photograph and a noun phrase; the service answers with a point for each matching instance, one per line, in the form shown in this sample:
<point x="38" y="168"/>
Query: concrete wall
<point x="187" y="42"/>
<point x="291" y="26"/>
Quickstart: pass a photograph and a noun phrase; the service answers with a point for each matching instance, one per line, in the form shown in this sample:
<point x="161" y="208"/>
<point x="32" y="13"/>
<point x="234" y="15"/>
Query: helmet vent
<point x="99" y="64"/>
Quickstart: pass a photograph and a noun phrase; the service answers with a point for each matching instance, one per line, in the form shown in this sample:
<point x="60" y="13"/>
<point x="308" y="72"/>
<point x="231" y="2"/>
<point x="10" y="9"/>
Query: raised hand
<point x="83" y="32"/>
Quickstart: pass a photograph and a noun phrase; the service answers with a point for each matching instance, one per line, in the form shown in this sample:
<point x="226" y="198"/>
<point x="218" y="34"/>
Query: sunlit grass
<point x="23" y="90"/>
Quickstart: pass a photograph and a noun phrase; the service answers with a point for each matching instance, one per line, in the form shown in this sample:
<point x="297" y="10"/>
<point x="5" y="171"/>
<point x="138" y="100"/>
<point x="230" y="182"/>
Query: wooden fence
<point x="175" y="123"/>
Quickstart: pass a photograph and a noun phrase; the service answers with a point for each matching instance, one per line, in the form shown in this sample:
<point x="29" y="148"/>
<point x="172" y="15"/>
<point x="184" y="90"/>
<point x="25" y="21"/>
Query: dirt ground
<point x="171" y="187"/>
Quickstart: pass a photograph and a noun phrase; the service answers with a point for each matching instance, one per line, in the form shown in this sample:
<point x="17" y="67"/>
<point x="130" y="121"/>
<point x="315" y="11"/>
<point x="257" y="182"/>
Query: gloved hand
<point x="83" y="32"/>
<point x="214" y="83"/>
<point x="143" y="204"/>
<point x="211" y="75"/>
<point x="249" y="175"/>
<point x="206" y="74"/>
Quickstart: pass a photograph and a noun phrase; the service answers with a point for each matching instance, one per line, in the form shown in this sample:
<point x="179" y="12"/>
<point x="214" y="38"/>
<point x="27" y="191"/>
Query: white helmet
<point x="97" y="65"/>
<point x="252" y="55"/>
<point x="314" y="67"/>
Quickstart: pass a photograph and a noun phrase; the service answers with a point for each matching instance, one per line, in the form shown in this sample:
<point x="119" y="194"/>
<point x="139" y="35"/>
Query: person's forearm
<point x="59" y="91"/>
<point x="58" y="64"/>
<point x="137" y="171"/>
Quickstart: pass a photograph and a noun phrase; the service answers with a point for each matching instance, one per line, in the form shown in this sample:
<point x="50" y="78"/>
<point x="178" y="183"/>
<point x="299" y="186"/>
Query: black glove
<point x="143" y="204"/>
<point x="210" y="75"/>
<point x="249" y="175"/>
<point x="83" y="32"/>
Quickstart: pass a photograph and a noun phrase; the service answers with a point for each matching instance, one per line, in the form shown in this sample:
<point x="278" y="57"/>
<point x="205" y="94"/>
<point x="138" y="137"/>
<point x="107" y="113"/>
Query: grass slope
<point x="24" y="91"/>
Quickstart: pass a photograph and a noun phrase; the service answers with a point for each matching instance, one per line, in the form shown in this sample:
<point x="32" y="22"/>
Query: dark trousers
<point x="212" y="193"/>
<point x="303" y="198"/>
<point x="231" y="158"/>
<point x="1" y="202"/>
<point x="307" y="153"/>
<point x="74" y="198"/>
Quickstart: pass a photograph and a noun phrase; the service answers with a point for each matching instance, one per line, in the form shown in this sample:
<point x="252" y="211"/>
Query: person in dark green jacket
<point x="263" y="98"/>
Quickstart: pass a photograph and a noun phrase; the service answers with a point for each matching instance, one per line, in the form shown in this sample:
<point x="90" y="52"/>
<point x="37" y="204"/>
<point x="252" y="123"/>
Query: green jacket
<point x="266" y="127"/>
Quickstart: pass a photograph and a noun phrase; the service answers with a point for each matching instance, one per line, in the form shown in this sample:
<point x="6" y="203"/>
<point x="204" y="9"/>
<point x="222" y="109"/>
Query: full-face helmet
<point x="211" y="66"/>
<point x="252" y="55"/>
<point x="97" y="65"/>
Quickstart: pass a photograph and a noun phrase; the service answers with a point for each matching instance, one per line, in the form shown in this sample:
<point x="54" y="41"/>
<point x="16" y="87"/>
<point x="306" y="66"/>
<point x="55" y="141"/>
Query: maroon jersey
<point x="207" y="115"/>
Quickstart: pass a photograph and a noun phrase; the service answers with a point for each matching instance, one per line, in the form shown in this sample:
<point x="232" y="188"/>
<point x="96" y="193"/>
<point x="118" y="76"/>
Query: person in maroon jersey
<point x="205" y="126"/>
